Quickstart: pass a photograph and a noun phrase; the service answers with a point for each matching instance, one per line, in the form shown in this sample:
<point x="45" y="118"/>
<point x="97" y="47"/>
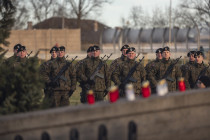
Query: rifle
<point x="96" y="71"/>
<point x="29" y="54"/>
<point x="137" y="55"/>
<point x="130" y="73"/>
<point x="2" y="54"/>
<point x="169" y="70"/>
<point x="203" y="71"/>
<point x="63" y="69"/>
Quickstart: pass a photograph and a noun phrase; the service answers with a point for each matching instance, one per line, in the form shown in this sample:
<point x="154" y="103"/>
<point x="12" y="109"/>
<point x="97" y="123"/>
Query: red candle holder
<point x="90" y="97"/>
<point x="181" y="84"/>
<point x="113" y="94"/>
<point x="145" y="89"/>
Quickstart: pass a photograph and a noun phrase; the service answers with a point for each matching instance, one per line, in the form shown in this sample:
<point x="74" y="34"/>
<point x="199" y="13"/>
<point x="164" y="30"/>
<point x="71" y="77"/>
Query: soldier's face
<point x="124" y="52"/>
<point x="192" y="58"/>
<point x="159" y="55"/>
<point x="61" y="53"/>
<point x="54" y="54"/>
<point x="22" y="54"/>
<point x="199" y="59"/>
<point x="166" y="55"/>
<point x="15" y="51"/>
<point x="89" y="54"/>
<point x="96" y="53"/>
<point x="131" y="55"/>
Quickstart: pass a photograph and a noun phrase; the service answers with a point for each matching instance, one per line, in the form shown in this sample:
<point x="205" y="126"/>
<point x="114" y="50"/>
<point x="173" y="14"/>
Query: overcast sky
<point x="113" y="12"/>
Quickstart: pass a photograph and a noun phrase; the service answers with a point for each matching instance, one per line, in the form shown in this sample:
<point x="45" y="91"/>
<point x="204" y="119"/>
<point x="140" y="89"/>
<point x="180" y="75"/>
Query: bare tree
<point x="159" y="18"/>
<point x="138" y="17"/>
<point x="22" y="14"/>
<point x="82" y="8"/>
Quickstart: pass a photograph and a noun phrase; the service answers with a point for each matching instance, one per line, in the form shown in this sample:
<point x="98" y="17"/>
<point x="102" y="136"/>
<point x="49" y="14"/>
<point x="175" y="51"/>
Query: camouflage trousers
<point x="55" y="98"/>
<point x="99" y="96"/>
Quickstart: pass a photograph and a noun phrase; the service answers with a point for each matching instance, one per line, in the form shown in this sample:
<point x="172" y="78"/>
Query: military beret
<point x="124" y="47"/>
<point x="55" y="48"/>
<point x="198" y="53"/>
<point x="89" y="49"/>
<point x="17" y="46"/>
<point x="190" y="53"/>
<point x="131" y="49"/>
<point x="94" y="48"/>
<point x="22" y="48"/>
<point x="61" y="48"/>
<point x="159" y="50"/>
<point x="166" y="49"/>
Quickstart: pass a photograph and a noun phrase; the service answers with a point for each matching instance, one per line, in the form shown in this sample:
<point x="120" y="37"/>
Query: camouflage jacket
<point x="158" y="72"/>
<point x="116" y="63"/>
<point x="122" y="71"/>
<point x="68" y="79"/>
<point x="19" y="61"/>
<point x="184" y="68"/>
<point x="151" y="65"/>
<point x="12" y="59"/>
<point x="79" y="63"/>
<point x="193" y="73"/>
<point x="88" y="68"/>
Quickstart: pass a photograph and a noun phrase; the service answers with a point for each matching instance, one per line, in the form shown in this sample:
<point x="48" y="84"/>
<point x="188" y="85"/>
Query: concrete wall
<point x="177" y="116"/>
<point x="45" y="39"/>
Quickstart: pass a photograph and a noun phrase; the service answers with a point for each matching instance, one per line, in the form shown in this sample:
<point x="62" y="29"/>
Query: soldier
<point x="153" y="64"/>
<point x="43" y="69"/>
<point x="101" y="82"/>
<point x="64" y="87"/>
<point x="184" y="68"/>
<point x="21" y="53"/>
<point x="81" y="61"/>
<point x="124" y="68"/>
<point x="162" y="68"/>
<point x="15" y="56"/>
<point x="196" y="71"/>
<point x="115" y="63"/>
<point x="78" y="66"/>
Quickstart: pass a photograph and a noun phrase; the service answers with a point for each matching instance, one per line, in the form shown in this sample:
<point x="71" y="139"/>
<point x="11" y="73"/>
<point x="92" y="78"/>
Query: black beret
<point x="131" y="49"/>
<point x="61" y="48"/>
<point x="89" y="49"/>
<point x="55" y="48"/>
<point x="17" y="46"/>
<point x="124" y="47"/>
<point x="198" y="53"/>
<point x="94" y="48"/>
<point x="190" y="53"/>
<point x="159" y="50"/>
<point x="22" y="48"/>
<point x="166" y="49"/>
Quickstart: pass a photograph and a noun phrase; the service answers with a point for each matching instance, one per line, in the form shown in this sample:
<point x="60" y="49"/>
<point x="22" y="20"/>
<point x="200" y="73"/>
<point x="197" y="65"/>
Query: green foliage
<point x="21" y="87"/>
<point x="7" y="11"/>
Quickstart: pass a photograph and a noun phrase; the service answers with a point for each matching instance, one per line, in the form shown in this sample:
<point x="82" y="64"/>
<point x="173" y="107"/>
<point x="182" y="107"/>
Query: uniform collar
<point x="191" y="62"/>
<point x="166" y="61"/>
<point x="61" y="59"/>
<point x="123" y="57"/>
<point x="199" y="65"/>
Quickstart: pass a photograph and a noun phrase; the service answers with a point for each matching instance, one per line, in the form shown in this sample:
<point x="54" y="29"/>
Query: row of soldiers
<point x="93" y="73"/>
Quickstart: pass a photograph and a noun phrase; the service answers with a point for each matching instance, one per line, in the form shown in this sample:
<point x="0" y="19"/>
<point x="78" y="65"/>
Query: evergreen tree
<point x="7" y="11"/>
<point x="21" y="87"/>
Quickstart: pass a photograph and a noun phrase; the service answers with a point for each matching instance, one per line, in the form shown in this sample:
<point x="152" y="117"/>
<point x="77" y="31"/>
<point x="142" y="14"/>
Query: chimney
<point x="95" y="26"/>
<point x="30" y="27"/>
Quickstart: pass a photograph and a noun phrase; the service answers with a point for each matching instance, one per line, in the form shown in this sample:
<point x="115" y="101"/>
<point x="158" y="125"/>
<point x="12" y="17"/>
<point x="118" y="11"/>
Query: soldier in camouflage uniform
<point x="43" y="69"/>
<point x="78" y="66"/>
<point x="21" y="59"/>
<point x="15" y="56"/>
<point x="79" y="63"/>
<point x="158" y="72"/>
<point x="194" y="71"/>
<point x="101" y="83"/>
<point x="122" y="71"/>
<point x="151" y="65"/>
<point x="115" y="63"/>
<point x="66" y="84"/>
<point x="184" y="68"/>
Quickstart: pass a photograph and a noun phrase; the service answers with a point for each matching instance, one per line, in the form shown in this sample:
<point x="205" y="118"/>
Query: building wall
<point x="46" y="39"/>
<point x="176" y="116"/>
